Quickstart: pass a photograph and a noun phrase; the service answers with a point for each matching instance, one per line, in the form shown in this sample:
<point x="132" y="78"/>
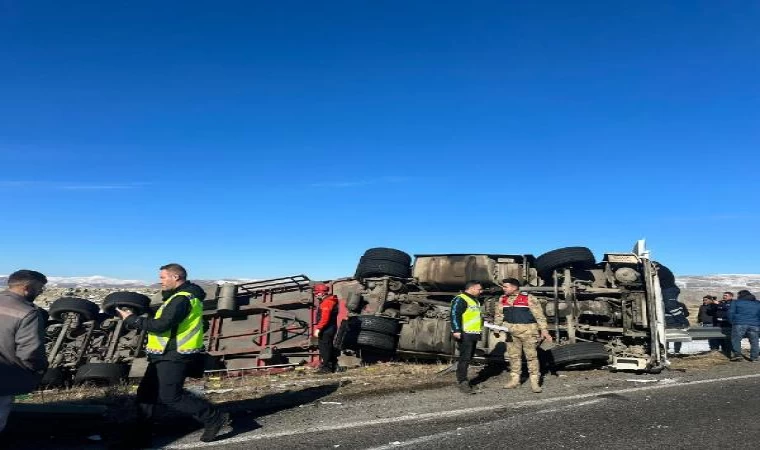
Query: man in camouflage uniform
<point x="521" y="313"/>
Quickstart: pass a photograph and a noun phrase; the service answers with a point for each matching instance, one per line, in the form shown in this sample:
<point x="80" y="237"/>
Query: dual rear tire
<point x="381" y="261"/>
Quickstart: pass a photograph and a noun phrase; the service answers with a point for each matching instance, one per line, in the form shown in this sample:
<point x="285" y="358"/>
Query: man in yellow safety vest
<point x="175" y="347"/>
<point x="466" y="327"/>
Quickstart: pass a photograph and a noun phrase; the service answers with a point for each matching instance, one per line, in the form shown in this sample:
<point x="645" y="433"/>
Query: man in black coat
<point x="706" y="318"/>
<point x="676" y="313"/>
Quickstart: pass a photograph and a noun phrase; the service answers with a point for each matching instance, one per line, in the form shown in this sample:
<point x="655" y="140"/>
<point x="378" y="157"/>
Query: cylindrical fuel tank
<point x="227" y="302"/>
<point x="451" y="272"/>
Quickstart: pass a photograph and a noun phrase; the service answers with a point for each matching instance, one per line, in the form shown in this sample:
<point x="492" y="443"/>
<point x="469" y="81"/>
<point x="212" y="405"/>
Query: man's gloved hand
<point x="316" y="333"/>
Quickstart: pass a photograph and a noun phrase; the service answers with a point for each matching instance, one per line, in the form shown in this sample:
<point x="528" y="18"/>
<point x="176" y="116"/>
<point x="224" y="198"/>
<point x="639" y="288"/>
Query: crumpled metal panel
<point x="426" y="335"/>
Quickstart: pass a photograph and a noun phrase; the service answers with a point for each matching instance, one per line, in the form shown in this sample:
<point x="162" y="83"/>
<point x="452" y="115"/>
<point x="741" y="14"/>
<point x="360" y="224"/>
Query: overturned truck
<point x="600" y="312"/>
<point x="607" y="312"/>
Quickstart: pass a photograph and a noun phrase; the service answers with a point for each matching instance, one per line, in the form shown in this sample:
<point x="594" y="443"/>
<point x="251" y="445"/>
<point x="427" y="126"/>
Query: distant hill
<point x="99" y="281"/>
<point x="95" y="281"/>
<point x="693" y="287"/>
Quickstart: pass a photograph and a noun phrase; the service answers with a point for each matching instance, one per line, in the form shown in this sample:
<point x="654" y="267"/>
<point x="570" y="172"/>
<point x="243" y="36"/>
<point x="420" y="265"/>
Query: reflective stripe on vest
<point x="189" y="332"/>
<point x="471" y="319"/>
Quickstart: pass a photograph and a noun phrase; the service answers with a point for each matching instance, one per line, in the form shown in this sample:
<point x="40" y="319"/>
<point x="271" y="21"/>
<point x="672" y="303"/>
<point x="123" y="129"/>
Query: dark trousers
<point x="466" y="351"/>
<point x="327" y="353"/>
<point x="738" y="332"/>
<point x="714" y="343"/>
<point x="164" y="383"/>
<point x="725" y="343"/>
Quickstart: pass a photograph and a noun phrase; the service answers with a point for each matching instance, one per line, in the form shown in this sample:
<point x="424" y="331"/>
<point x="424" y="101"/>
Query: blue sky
<point x="259" y="139"/>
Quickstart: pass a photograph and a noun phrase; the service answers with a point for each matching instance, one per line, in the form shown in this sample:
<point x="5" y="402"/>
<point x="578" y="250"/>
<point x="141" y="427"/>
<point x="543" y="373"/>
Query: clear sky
<point x="265" y="138"/>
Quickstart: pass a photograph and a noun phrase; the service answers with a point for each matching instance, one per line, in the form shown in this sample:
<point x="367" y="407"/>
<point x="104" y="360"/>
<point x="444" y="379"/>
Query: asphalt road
<point x="710" y="412"/>
<point x="719" y="407"/>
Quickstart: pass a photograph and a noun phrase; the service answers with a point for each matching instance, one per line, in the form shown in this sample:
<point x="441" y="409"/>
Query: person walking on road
<point x="175" y="351"/>
<point x="744" y="315"/>
<point x="466" y="327"/>
<point x="523" y="316"/>
<point x="22" y="338"/>
<point x="326" y="327"/>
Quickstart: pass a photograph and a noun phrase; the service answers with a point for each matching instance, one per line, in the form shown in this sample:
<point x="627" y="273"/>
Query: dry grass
<point x="368" y="380"/>
<point x="80" y="394"/>
<point x="698" y="362"/>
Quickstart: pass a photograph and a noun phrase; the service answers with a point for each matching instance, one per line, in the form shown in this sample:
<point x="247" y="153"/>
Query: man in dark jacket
<point x="466" y="327"/>
<point x="175" y="348"/>
<point x="22" y="338"/>
<point x="722" y="321"/>
<point x="706" y="313"/>
<point x="676" y="313"/>
<point x="744" y="315"/>
<point x="706" y="318"/>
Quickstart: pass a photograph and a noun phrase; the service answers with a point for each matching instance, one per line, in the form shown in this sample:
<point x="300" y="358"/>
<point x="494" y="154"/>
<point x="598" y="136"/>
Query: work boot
<point x="534" y="386"/>
<point x="221" y="424"/>
<point x="514" y="381"/>
<point x="465" y="388"/>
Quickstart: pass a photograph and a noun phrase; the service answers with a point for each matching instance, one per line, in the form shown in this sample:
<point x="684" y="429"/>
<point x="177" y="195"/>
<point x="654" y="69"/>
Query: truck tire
<point x="354" y="302"/>
<point x="102" y="374"/>
<point x="667" y="279"/>
<point x="53" y="378"/>
<point x="380" y="325"/>
<point x="368" y="268"/>
<point x="376" y="340"/>
<point x="575" y="257"/>
<point x="139" y="303"/>
<point x="86" y="309"/>
<point x="579" y="353"/>
<point x="411" y="309"/>
<point x="45" y="316"/>
<point x="388" y="254"/>
<point x="345" y="337"/>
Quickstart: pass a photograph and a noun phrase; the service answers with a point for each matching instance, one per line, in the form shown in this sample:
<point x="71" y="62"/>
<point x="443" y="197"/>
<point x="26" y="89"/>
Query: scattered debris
<point x="219" y="391"/>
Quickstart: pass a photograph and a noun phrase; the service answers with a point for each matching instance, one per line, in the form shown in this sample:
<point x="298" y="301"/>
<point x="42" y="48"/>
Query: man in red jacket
<point x="327" y="325"/>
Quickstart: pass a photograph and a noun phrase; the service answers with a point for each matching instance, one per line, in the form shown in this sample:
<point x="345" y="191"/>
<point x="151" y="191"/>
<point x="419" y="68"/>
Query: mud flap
<point x="137" y="368"/>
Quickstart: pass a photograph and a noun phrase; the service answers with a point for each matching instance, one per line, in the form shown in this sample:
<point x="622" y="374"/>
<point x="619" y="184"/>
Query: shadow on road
<point x="87" y="424"/>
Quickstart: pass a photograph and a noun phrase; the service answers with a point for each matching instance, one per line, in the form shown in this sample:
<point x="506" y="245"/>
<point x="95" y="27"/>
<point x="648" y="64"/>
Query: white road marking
<point x="566" y="407"/>
<point x="489" y="424"/>
<point x="253" y="436"/>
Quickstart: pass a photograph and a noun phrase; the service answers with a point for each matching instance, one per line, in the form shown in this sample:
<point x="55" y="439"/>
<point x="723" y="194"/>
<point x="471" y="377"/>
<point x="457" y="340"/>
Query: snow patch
<point x="236" y="281"/>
